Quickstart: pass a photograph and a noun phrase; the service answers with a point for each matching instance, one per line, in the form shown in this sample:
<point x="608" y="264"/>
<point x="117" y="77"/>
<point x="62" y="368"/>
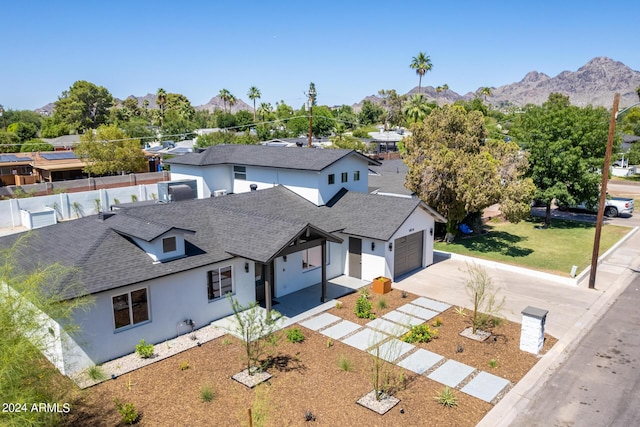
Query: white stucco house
<point x="157" y="269"/>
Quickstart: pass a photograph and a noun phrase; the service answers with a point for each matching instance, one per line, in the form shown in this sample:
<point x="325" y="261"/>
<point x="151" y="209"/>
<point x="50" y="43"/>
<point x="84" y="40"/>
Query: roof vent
<point x="253" y="187"/>
<point x="180" y="192"/>
<point x="104" y="215"/>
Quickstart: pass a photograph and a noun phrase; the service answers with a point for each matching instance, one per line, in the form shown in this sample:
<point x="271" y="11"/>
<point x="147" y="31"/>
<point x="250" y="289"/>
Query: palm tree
<point x="224" y="95"/>
<point x="638" y="92"/>
<point x="254" y="93"/>
<point x="161" y="100"/>
<point x="232" y="101"/>
<point x="422" y="64"/>
<point x="416" y="108"/>
<point x="264" y="109"/>
<point x="486" y="91"/>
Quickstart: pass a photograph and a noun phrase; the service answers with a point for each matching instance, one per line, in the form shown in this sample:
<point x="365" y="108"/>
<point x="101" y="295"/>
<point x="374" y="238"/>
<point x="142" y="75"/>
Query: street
<point x="599" y="384"/>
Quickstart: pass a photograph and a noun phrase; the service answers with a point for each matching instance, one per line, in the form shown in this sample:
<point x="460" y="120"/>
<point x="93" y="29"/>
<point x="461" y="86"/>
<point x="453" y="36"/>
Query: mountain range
<point x="594" y="83"/>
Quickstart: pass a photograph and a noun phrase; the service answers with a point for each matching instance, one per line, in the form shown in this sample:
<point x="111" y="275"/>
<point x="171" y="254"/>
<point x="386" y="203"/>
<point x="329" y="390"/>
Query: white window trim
<point x="306" y="269"/>
<point x="237" y="174"/>
<point x="131" y="324"/>
<point x="233" y="283"/>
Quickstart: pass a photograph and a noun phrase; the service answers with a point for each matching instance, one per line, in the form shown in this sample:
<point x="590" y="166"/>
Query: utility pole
<point x="603" y="191"/>
<point x="312" y="99"/>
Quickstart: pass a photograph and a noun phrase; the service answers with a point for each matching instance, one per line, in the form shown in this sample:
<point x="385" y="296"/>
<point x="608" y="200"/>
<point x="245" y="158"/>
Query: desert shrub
<point x="419" y="333"/>
<point x="493" y="363"/>
<point x="338" y="304"/>
<point x="486" y="304"/>
<point x="382" y="303"/>
<point x="437" y="322"/>
<point x="128" y="412"/>
<point x="295" y="335"/>
<point x="447" y="398"/>
<point x="329" y="342"/>
<point x="144" y="350"/>
<point x="345" y="364"/>
<point x="184" y="365"/>
<point x="207" y="394"/>
<point x="363" y="307"/>
<point x="96" y="373"/>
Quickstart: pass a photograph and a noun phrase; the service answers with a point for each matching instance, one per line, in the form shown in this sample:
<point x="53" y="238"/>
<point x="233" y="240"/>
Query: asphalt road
<point x="599" y="384"/>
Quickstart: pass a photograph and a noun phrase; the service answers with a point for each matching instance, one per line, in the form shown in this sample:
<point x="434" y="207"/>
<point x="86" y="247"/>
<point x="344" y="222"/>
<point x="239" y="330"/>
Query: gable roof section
<point x="265" y="156"/>
<point x="390" y="178"/>
<point x="257" y="225"/>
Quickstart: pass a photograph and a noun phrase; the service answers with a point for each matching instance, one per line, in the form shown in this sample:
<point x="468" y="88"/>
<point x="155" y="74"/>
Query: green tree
<point x="453" y="171"/>
<point x="53" y="128"/>
<point x="24" y="294"/>
<point x="109" y="151"/>
<point x="9" y="142"/>
<point x="254" y="93"/>
<point x="175" y="126"/>
<point x="225" y="95"/>
<point x="638" y="92"/>
<point x="323" y="121"/>
<point x="137" y="127"/>
<point x="631" y="122"/>
<point x="371" y="113"/>
<point x="416" y="109"/>
<point x="24" y="131"/>
<point x="345" y="115"/>
<point x="567" y="146"/>
<point x="422" y="65"/>
<point x="244" y="120"/>
<point x="35" y="145"/>
<point x="265" y="110"/>
<point x="161" y="100"/>
<point x="24" y="116"/>
<point x="180" y="104"/>
<point x="485" y="91"/>
<point x="84" y="106"/>
<point x="393" y="103"/>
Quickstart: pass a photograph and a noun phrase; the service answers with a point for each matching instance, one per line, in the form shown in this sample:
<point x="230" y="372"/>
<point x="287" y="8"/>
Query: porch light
<point x="390" y="246"/>
<point x="373" y="246"/>
<point x="246" y="267"/>
<point x="431" y="231"/>
<point x="284" y="258"/>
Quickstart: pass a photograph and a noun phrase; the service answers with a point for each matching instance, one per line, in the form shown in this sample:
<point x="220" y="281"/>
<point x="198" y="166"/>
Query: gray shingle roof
<point x="391" y="177"/>
<point x="254" y="225"/>
<point x="260" y="155"/>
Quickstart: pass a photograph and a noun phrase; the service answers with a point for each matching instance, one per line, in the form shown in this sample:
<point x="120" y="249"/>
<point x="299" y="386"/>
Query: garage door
<point x="408" y="254"/>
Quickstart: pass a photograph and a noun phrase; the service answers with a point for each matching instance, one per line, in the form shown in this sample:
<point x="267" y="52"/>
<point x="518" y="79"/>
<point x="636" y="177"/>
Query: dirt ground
<point x="306" y="377"/>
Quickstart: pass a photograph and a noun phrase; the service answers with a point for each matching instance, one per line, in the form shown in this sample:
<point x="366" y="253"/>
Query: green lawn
<point x="555" y="250"/>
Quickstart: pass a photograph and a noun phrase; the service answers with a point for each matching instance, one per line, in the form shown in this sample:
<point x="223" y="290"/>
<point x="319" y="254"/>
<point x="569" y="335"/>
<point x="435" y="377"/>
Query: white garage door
<point x="408" y="254"/>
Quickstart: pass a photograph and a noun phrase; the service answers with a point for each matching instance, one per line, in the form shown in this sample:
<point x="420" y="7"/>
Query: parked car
<point x="614" y="206"/>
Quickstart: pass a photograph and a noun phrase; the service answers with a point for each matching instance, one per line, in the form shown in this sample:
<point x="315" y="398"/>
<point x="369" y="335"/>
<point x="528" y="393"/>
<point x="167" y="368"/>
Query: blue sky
<point x="348" y="49"/>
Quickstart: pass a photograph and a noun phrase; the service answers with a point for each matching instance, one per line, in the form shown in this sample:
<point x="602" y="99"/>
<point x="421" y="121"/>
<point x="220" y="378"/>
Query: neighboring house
<point x="388" y="179"/>
<point x="316" y="175"/>
<point x="30" y="168"/>
<point x="64" y="142"/>
<point x="155" y="270"/>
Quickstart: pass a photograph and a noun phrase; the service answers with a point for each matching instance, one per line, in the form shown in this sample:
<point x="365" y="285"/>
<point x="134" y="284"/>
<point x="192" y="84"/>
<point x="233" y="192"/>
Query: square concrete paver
<point x="388" y="327"/>
<point x="417" y="311"/>
<point x="341" y="329"/>
<point x="485" y="386"/>
<point x="320" y="321"/>
<point x="451" y="373"/>
<point x="366" y="338"/>
<point x="431" y="304"/>
<point x="420" y="361"/>
<point x="403" y="318"/>
<point x="392" y="349"/>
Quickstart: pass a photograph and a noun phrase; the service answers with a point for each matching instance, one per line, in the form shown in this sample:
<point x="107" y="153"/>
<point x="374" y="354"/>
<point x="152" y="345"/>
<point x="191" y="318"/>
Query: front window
<point x="240" y="172"/>
<point x="169" y="244"/>
<point x="356" y="176"/>
<point x="345" y="177"/>
<point x="130" y="308"/>
<point x="332" y="179"/>
<point x="219" y="282"/>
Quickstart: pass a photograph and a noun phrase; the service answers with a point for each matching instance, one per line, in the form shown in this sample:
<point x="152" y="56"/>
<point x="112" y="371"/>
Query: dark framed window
<point x="356" y="176"/>
<point x="169" y="244"/>
<point x="240" y="172"/>
<point x="332" y="179"/>
<point x="312" y="257"/>
<point x="130" y="308"/>
<point x="345" y="177"/>
<point x="219" y="282"/>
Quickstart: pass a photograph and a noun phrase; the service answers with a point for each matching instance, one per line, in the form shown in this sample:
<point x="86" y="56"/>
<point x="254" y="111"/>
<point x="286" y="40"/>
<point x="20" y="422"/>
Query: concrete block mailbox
<point x="532" y="332"/>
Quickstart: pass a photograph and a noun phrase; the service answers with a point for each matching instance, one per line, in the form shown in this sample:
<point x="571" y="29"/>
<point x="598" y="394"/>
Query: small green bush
<point x="447" y="398"/>
<point x="363" y="307"/>
<point x="329" y="342"/>
<point x="382" y="303"/>
<point x="345" y="364"/>
<point x="128" y="412"/>
<point x="295" y="335"/>
<point x="207" y="394"/>
<point x="437" y="322"/>
<point x="493" y="363"/>
<point x="96" y="373"/>
<point x="184" y="365"/>
<point x="144" y="350"/>
<point x="419" y="333"/>
<point x="360" y="133"/>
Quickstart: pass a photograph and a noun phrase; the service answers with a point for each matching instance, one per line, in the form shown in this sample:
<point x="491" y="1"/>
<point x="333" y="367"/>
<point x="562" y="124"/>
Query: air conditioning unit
<point x="218" y="193"/>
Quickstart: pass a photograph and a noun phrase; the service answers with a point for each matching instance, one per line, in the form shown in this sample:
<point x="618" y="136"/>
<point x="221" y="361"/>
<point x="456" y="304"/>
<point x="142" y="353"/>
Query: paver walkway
<point x="379" y="337"/>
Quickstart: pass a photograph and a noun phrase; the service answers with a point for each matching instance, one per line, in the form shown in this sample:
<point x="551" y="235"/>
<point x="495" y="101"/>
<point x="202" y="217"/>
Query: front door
<point x="355" y="257"/>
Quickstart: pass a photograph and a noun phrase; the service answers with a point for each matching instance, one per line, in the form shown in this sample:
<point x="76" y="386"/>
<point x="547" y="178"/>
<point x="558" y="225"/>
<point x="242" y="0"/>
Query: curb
<point x="521" y="395"/>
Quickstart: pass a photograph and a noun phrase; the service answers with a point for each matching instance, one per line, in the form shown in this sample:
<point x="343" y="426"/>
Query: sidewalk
<point x="572" y="309"/>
